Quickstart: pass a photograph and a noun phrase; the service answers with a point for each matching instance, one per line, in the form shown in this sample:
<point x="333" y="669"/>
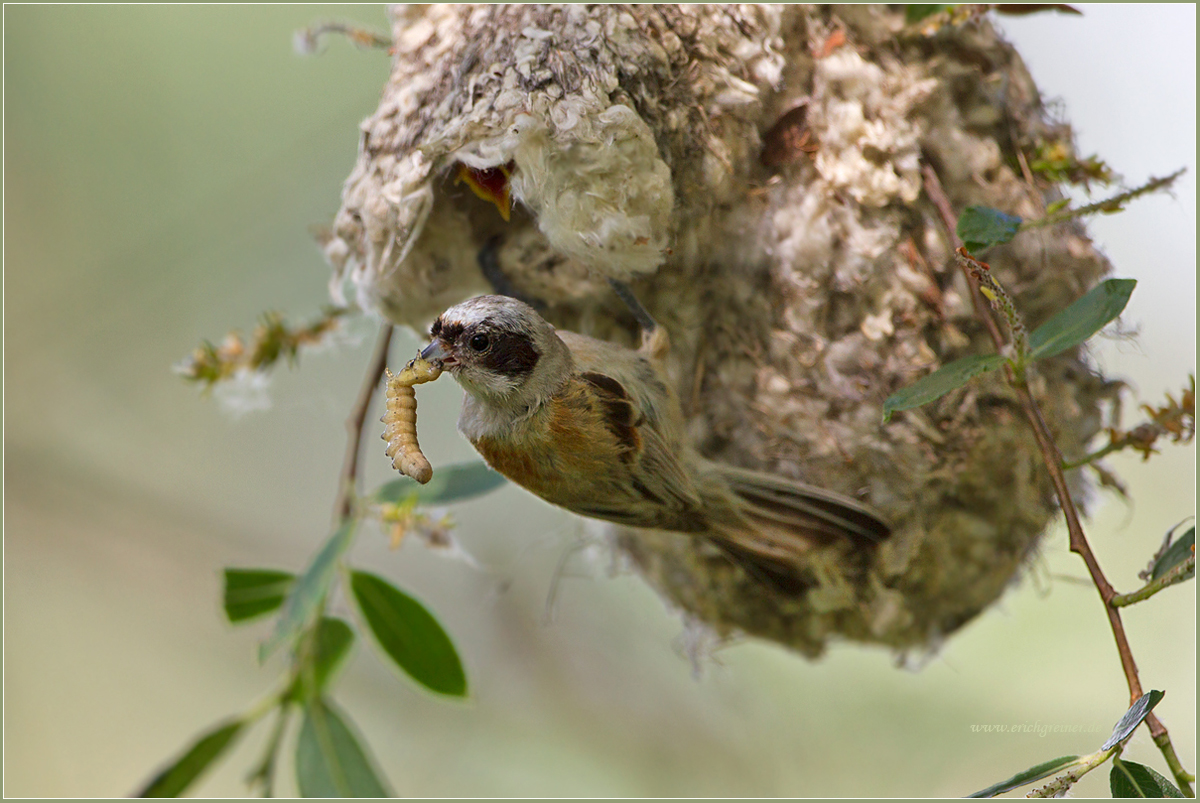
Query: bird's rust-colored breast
<point x="519" y="465"/>
<point x="568" y="455"/>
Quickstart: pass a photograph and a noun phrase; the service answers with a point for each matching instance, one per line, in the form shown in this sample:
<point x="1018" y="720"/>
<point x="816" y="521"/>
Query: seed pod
<point x="400" y="418"/>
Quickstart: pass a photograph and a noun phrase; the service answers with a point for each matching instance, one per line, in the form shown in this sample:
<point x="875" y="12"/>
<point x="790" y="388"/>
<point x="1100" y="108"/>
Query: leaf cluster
<point x="332" y="760"/>
<point x="982" y="227"/>
<point x="1067" y="329"/>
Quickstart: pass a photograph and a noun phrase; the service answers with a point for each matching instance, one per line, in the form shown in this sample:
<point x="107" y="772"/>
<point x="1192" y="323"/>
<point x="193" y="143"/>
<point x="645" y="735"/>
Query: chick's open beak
<point x="437" y="350"/>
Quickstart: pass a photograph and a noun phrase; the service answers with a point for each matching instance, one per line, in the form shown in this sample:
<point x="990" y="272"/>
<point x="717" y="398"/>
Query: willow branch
<point x="344" y="506"/>
<point x="933" y="189"/>
<point x="1054" y="462"/>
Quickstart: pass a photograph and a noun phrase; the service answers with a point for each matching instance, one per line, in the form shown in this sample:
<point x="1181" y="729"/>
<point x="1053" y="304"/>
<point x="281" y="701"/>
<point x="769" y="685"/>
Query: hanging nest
<point x="765" y="177"/>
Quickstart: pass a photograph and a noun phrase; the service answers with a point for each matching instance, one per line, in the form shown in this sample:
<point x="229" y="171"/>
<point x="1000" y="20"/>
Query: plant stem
<point x="1001" y="302"/>
<point x="1064" y="782"/>
<point x="1113" y="204"/>
<point x="308" y="39"/>
<point x="1177" y="575"/>
<point x="1054" y="463"/>
<point x="1182" y="777"/>
<point x="343" y="506"/>
<point x="264" y="773"/>
<point x="1094" y="456"/>
<point x="933" y="189"/>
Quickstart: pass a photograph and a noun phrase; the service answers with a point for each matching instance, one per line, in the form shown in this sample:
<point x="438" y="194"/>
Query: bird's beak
<point x="437" y="351"/>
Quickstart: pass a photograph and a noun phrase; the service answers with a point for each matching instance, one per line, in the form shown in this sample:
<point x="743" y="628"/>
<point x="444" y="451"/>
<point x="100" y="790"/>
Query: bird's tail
<point x="781" y="519"/>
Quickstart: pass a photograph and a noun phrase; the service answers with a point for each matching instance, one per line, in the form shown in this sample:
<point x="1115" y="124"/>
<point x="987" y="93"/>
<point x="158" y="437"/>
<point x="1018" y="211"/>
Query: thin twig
<point x="1054" y="462"/>
<point x="307" y="40"/>
<point x="1002" y="303"/>
<point x="933" y="188"/>
<point x="1177" y="574"/>
<point x="344" y="506"/>
<point x="1108" y="205"/>
<point x="1175" y="419"/>
<point x="1114" y="445"/>
<point x="1082" y="766"/>
<point x="264" y="774"/>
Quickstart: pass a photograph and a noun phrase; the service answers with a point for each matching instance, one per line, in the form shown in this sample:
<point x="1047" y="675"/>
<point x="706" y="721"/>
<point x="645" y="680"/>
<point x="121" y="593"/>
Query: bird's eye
<point x="480" y="342"/>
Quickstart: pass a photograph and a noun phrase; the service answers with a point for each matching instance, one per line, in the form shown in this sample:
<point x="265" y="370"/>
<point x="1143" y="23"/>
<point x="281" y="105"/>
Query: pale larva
<point x="400" y="418"/>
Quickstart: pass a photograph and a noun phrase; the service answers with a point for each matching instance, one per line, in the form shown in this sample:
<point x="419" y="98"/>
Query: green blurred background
<point x="161" y="166"/>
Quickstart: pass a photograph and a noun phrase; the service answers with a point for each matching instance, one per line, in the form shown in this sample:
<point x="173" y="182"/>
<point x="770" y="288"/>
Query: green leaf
<point x="253" y="592"/>
<point x="1030" y="775"/>
<point x="1133" y="717"/>
<point x="455" y="483"/>
<point x="330" y="762"/>
<point x="940" y="382"/>
<point x="1176" y="553"/>
<point x="410" y="635"/>
<point x="1081" y="320"/>
<point x="919" y="11"/>
<point x="981" y="226"/>
<point x="308" y="592"/>
<point x="1129" y="779"/>
<point x="334" y="638"/>
<point x="174" y="779"/>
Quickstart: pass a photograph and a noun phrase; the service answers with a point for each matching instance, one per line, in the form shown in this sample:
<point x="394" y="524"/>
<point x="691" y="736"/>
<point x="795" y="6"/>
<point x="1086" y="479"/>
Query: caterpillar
<point x="400" y="418"/>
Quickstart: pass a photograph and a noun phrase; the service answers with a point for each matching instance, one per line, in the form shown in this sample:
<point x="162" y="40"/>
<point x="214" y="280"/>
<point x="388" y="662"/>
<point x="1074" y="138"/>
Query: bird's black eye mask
<point x="510" y="354"/>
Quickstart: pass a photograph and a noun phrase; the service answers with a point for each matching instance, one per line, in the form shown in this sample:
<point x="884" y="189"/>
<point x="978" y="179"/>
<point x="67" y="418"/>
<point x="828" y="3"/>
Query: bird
<point x="594" y="427"/>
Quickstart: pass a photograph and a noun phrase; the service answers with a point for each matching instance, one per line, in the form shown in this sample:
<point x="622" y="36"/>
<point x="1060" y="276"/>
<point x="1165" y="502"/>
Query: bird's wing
<point x="655" y="471"/>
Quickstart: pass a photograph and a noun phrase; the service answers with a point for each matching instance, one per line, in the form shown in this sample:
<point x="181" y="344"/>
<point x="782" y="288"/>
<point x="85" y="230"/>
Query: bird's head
<point x="501" y="351"/>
